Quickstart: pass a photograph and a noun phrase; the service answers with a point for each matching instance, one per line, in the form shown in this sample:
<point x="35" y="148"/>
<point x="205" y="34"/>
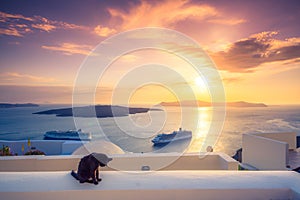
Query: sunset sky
<point x="254" y="44"/>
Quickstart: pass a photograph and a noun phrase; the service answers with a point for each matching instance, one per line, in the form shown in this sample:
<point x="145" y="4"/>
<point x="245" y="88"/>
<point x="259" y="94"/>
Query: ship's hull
<point x="164" y="142"/>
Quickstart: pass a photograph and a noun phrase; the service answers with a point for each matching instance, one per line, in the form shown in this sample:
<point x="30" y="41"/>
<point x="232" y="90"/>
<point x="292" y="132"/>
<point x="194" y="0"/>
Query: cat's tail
<point x="74" y="174"/>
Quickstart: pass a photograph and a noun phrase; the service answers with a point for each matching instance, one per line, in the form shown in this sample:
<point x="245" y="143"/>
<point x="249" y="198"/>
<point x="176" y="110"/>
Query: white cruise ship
<point x="164" y="138"/>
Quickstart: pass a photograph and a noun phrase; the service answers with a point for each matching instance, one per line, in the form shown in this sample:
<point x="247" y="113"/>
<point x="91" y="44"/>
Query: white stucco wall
<point x="288" y="137"/>
<point x="264" y="153"/>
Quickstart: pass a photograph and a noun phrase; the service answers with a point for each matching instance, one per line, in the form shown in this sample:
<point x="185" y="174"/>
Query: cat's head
<point x="102" y="158"/>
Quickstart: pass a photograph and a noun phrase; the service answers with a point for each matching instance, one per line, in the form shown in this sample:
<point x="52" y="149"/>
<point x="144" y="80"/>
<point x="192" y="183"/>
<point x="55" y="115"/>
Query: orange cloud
<point x="19" y="25"/>
<point x="4" y="16"/>
<point x="166" y="13"/>
<point x="163" y="14"/>
<point x="247" y="54"/>
<point x="44" y="27"/>
<point x="10" y="31"/>
<point x="66" y="25"/>
<point x="104" y="31"/>
<point x="70" y="48"/>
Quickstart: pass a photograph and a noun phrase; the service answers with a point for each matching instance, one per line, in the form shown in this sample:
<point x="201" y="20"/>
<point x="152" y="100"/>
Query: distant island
<point x="9" y="105"/>
<point x="100" y="111"/>
<point x="208" y="104"/>
<point x="245" y="104"/>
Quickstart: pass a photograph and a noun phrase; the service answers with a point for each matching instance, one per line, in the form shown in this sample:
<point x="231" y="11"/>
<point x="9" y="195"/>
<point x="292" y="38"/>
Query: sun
<point x="199" y="82"/>
<point x="201" y="89"/>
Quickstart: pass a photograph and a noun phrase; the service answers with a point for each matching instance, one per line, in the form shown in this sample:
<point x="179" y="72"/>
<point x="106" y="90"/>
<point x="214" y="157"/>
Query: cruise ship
<point x="164" y="138"/>
<point x="67" y="135"/>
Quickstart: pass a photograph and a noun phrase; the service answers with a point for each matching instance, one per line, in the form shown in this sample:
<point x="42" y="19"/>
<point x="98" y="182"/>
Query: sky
<point x="255" y="46"/>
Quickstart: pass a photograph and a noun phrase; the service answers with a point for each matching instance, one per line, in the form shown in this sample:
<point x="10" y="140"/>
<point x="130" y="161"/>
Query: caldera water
<point x="21" y="124"/>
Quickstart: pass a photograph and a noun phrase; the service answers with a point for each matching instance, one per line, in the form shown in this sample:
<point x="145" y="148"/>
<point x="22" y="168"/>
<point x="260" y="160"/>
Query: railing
<point x="49" y="147"/>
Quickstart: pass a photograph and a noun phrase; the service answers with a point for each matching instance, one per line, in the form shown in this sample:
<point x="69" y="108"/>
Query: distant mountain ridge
<point x="245" y="104"/>
<point x="208" y="104"/>
<point x="9" y="105"/>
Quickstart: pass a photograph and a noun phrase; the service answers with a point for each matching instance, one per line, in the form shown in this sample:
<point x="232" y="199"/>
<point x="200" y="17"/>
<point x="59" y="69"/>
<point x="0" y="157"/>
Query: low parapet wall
<point x="227" y="185"/>
<point x="124" y="162"/>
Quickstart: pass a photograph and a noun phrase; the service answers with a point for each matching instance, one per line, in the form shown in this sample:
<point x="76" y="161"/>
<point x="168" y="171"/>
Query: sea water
<point x="21" y="124"/>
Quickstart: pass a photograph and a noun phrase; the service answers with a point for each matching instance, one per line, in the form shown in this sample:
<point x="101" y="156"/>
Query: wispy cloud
<point x="44" y="27"/>
<point x="70" y="48"/>
<point x="19" y="25"/>
<point x="14" y="43"/>
<point x="36" y="94"/>
<point x="166" y="13"/>
<point x="248" y="54"/>
<point x="14" y="77"/>
<point x="4" y="16"/>
<point x="227" y="21"/>
<point x="10" y="31"/>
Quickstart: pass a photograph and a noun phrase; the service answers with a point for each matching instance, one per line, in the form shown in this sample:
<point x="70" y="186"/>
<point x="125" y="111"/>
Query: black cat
<point x="88" y="168"/>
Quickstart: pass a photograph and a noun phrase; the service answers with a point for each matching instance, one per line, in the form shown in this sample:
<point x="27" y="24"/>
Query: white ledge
<point x="153" y="185"/>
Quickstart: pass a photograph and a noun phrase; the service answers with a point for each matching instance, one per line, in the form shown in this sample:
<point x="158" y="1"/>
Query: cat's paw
<point x="96" y="182"/>
<point x="99" y="179"/>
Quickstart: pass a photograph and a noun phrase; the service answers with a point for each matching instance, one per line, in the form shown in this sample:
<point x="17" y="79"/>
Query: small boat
<point x="67" y="135"/>
<point x="164" y="138"/>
